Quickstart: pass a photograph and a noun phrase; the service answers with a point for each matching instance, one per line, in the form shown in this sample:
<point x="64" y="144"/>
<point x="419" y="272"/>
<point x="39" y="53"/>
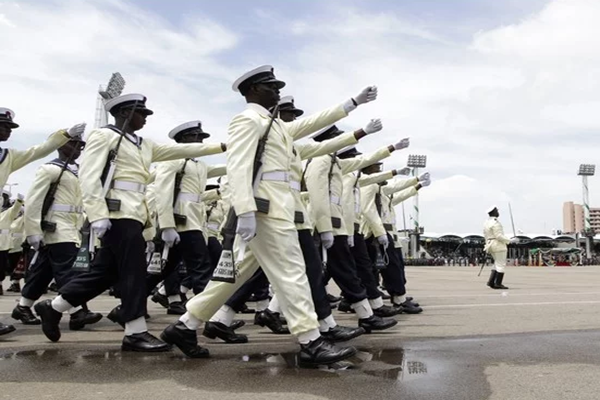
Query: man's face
<point x="287" y="115"/>
<point x="191" y="137"/>
<point x="5" y="131"/>
<point x="268" y="94"/>
<point x="72" y="149"/>
<point x="138" y="120"/>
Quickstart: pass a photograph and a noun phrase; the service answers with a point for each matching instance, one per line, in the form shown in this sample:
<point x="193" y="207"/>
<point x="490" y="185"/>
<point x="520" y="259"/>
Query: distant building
<point x="573" y="218"/>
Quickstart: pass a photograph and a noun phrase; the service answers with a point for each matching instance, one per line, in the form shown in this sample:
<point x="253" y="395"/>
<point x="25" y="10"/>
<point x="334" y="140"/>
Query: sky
<point x="499" y="94"/>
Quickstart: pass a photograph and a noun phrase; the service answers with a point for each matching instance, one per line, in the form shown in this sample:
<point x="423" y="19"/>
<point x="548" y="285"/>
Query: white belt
<point x="295" y="185"/>
<point x="17" y="235"/>
<point x="335" y="200"/>
<point x="213" y="226"/>
<point x="192" y="197"/>
<point x="66" y="208"/>
<point x="280" y="176"/>
<point x="4" y="231"/>
<point x="129" y="186"/>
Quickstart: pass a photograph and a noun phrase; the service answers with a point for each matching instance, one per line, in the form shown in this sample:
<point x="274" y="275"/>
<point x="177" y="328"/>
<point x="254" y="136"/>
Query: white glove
<point x="383" y="240"/>
<point x="424" y="177"/>
<point x="327" y="239"/>
<point x="403" y="171"/>
<point x="351" y="241"/>
<point x="76" y="130"/>
<point x="425" y="183"/>
<point x="246" y="226"/>
<point x="366" y="95"/>
<point x="373" y="126"/>
<point x="513" y="240"/>
<point x="170" y="237"/>
<point x="150" y="247"/>
<point x="404" y="143"/>
<point x="20" y="197"/>
<point x="35" y="241"/>
<point x="100" y="227"/>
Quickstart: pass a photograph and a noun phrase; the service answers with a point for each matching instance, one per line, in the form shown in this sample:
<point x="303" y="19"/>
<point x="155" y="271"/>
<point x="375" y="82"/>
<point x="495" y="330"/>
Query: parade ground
<point x="538" y="340"/>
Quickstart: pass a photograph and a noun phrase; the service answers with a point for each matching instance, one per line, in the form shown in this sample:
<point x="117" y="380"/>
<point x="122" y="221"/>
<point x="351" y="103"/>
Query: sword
<point x="92" y="244"/>
<point x="512" y="221"/>
<point x="482" y="263"/>
<point x="34" y="258"/>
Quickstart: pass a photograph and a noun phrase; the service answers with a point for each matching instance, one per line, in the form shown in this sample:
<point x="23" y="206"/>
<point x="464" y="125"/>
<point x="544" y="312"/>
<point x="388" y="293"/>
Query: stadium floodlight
<point x="415" y="162"/>
<point x="115" y="87"/>
<point x="586" y="170"/>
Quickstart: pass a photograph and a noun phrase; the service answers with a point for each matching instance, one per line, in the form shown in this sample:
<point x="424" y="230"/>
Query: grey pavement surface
<point x="538" y="340"/>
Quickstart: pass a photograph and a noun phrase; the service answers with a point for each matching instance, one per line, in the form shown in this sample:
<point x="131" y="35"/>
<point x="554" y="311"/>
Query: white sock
<point x="174" y="298"/>
<point x="23" y="302"/>
<point x="376" y="303"/>
<point x="74" y="310"/>
<point x="183" y="289"/>
<point x="262" y="305"/>
<point x="363" y="309"/>
<point x="310" y="336"/>
<point x="61" y="305"/>
<point x="399" y="299"/>
<point x="224" y="315"/>
<point x="138" y="325"/>
<point x="190" y="321"/>
<point x="162" y="290"/>
<point x="326" y="324"/>
<point x="274" y="304"/>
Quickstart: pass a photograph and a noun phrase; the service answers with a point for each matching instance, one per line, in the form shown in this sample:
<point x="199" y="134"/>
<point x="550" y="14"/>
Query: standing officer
<point x="118" y="219"/>
<point x="270" y="233"/>
<point x="496" y="245"/>
<point x="16" y="254"/>
<point x="6" y="219"/>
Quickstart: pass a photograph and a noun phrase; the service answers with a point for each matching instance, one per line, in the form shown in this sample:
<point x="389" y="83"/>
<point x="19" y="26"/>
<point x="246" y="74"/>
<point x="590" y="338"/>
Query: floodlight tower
<point x="115" y="87"/>
<point x="586" y="170"/>
<point x="416" y="162"/>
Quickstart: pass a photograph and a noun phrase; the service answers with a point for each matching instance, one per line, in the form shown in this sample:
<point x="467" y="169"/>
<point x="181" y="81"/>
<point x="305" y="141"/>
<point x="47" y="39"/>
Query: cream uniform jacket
<point x="189" y="201"/>
<point x="6" y="219"/>
<point x="68" y="193"/>
<point x="375" y="223"/>
<point x="351" y="206"/>
<point x="495" y="240"/>
<point x="133" y="166"/>
<point x="150" y="229"/>
<point x="305" y="151"/>
<point x="17" y="233"/>
<point x="326" y="191"/>
<point x="244" y="131"/>
<point x="214" y="204"/>
<point x="395" y="200"/>
<point x="12" y="160"/>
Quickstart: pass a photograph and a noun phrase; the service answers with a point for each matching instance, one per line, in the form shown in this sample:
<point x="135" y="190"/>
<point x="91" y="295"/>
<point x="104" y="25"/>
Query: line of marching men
<point x="303" y="213"/>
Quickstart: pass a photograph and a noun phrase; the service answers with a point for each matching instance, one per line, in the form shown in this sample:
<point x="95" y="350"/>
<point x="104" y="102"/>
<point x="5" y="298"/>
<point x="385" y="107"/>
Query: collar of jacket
<point x="259" y="109"/>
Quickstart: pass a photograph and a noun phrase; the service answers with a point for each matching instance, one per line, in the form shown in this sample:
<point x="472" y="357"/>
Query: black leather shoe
<point x="213" y="330"/>
<point x="185" y="339"/>
<point x="408" y="308"/>
<point x="50" y="319"/>
<point x="385" y="311"/>
<point x="345" y="306"/>
<point x="53" y="287"/>
<point x="342" y="333"/>
<point x="237" y="324"/>
<point x="322" y="352"/>
<point x="160" y="299"/>
<point x="271" y="320"/>
<point x="246" y="310"/>
<point x="375" y="323"/>
<point x="6" y="329"/>
<point x="14" y="287"/>
<point x="114" y="316"/>
<point x="144" y="342"/>
<point x="25" y="315"/>
<point x="82" y="318"/>
<point x="176" y="308"/>
<point x="410" y="299"/>
<point x="333" y="299"/>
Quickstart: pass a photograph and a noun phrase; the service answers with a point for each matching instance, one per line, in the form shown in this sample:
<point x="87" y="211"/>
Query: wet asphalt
<point x="539" y="340"/>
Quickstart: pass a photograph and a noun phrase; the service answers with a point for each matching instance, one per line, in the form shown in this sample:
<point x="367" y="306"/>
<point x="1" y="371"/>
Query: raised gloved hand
<point x="515" y="240"/>
<point x="100" y="227"/>
<point x="351" y="241"/>
<point x="327" y="239"/>
<point x="20" y="197"/>
<point x="150" y="247"/>
<point x="170" y="237"/>
<point x="373" y="126"/>
<point x="404" y="143"/>
<point x="424" y="177"/>
<point x="403" y="171"/>
<point x="246" y="226"/>
<point x="366" y="95"/>
<point x="35" y="241"/>
<point x="425" y="183"/>
<point x="383" y="240"/>
<point x="76" y="130"/>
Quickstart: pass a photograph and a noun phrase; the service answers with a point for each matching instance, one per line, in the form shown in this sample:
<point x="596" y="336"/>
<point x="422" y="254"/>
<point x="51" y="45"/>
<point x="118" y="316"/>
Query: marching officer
<point x="53" y="219"/>
<point x="270" y="232"/>
<point x="117" y="210"/>
<point x="496" y="245"/>
<point x="16" y="254"/>
<point x="6" y="218"/>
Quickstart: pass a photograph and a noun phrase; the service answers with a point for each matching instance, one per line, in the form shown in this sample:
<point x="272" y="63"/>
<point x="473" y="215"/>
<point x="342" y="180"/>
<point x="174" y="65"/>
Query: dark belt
<point x="356" y="228"/>
<point x="388" y="227"/>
